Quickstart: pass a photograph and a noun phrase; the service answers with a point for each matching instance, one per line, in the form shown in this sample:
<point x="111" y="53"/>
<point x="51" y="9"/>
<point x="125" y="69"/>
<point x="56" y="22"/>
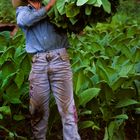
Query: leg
<point x="62" y="88"/>
<point x="39" y="101"/>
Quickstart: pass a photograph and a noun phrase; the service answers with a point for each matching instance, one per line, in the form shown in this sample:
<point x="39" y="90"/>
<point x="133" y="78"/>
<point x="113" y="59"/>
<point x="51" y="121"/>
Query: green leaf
<point x="117" y="38"/>
<point x="106" y="5"/>
<point x="88" y="10"/>
<point x="113" y="74"/>
<point x="19" y="79"/>
<point x="5" y="110"/>
<point x="106" y="136"/>
<point x="106" y="113"/>
<point x="96" y="47"/>
<point x="91" y="1"/>
<point x="111" y="129"/>
<point x="8" y="68"/>
<point x="11" y="135"/>
<point x="18" y="40"/>
<point x="98" y="3"/>
<point x="18" y="117"/>
<point x="103" y="73"/>
<point x="88" y="95"/>
<point x="12" y="94"/>
<point x="25" y="65"/>
<point x="81" y="2"/>
<point x="73" y="20"/>
<point x="87" y="112"/>
<point x="126" y="50"/>
<point x="72" y="10"/>
<point x="7" y="55"/>
<point x="86" y="124"/>
<point x="118" y="61"/>
<point x="107" y="91"/>
<point x="61" y="6"/>
<point x="136" y="56"/>
<point x="79" y="82"/>
<point x="1" y="116"/>
<point x="126" y="102"/>
<point x="110" y="51"/>
<point x="118" y="82"/>
<point x="4" y="38"/>
<point x="137" y="110"/>
<point x="126" y="69"/>
<point x="8" y="80"/>
<point x="122" y="116"/>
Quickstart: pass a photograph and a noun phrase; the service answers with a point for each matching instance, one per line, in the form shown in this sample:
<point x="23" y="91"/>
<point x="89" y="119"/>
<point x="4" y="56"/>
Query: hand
<point x="50" y="4"/>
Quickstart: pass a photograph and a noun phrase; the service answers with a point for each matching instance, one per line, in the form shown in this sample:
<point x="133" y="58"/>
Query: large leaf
<point x="88" y="10"/>
<point x="126" y="102"/>
<point x="7" y="54"/>
<point x="91" y="1"/>
<point x="12" y="94"/>
<point x="7" y="81"/>
<point x="118" y="82"/>
<point x="126" y="69"/>
<point x="86" y="124"/>
<point x="25" y="65"/>
<point x="81" y="2"/>
<point x="122" y="116"/>
<point x="80" y="81"/>
<point x="18" y="117"/>
<point x="107" y="90"/>
<point x="102" y="73"/>
<point x="106" y="114"/>
<point x="136" y="56"/>
<point x="98" y="3"/>
<point x="106" y="6"/>
<point x="125" y="50"/>
<point x="61" y="6"/>
<point x="5" y="110"/>
<point x="19" y="79"/>
<point x="4" y="39"/>
<point x="72" y="10"/>
<point x="88" y="95"/>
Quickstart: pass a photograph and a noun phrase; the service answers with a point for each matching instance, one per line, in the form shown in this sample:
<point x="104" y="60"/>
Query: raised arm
<point x="26" y="17"/>
<point x="50" y="5"/>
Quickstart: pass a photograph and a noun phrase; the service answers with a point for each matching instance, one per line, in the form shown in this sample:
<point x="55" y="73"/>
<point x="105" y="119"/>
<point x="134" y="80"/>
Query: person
<point x="50" y="70"/>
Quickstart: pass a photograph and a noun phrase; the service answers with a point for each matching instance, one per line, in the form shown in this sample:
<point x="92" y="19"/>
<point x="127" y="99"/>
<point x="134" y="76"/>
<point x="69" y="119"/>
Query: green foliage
<point x="104" y="62"/>
<point x="106" y="74"/>
<point x="7" y="12"/>
<point x="74" y="15"/>
<point x="13" y="83"/>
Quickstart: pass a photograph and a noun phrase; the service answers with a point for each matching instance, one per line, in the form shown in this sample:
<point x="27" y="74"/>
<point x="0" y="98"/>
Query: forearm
<point x="50" y="5"/>
<point x="25" y="17"/>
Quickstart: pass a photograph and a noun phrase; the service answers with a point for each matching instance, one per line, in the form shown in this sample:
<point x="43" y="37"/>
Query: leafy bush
<point x="74" y="15"/>
<point x="7" y="12"/>
<point x="106" y="65"/>
<point x="106" y="72"/>
<point x="14" y="70"/>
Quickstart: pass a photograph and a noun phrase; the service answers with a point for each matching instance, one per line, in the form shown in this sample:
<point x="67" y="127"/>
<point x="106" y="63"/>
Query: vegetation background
<point x="105" y="59"/>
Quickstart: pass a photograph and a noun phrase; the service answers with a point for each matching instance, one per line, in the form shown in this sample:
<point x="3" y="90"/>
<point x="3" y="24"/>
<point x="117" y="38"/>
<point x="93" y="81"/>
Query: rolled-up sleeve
<point x="27" y="17"/>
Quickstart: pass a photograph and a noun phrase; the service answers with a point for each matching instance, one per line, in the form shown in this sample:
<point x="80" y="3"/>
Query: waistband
<point x="53" y="52"/>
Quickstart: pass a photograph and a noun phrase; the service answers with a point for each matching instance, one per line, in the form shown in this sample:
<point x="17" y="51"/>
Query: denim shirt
<point x="40" y="34"/>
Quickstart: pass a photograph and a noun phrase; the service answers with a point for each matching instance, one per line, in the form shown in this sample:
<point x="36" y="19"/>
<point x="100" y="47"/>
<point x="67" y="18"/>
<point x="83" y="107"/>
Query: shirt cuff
<point x="42" y="12"/>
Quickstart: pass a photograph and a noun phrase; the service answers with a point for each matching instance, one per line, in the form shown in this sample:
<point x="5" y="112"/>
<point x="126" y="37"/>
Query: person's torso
<point x="43" y="36"/>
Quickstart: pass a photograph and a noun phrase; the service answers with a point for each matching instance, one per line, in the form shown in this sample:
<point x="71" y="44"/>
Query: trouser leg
<point x="39" y="102"/>
<point x="62" y="88"/>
